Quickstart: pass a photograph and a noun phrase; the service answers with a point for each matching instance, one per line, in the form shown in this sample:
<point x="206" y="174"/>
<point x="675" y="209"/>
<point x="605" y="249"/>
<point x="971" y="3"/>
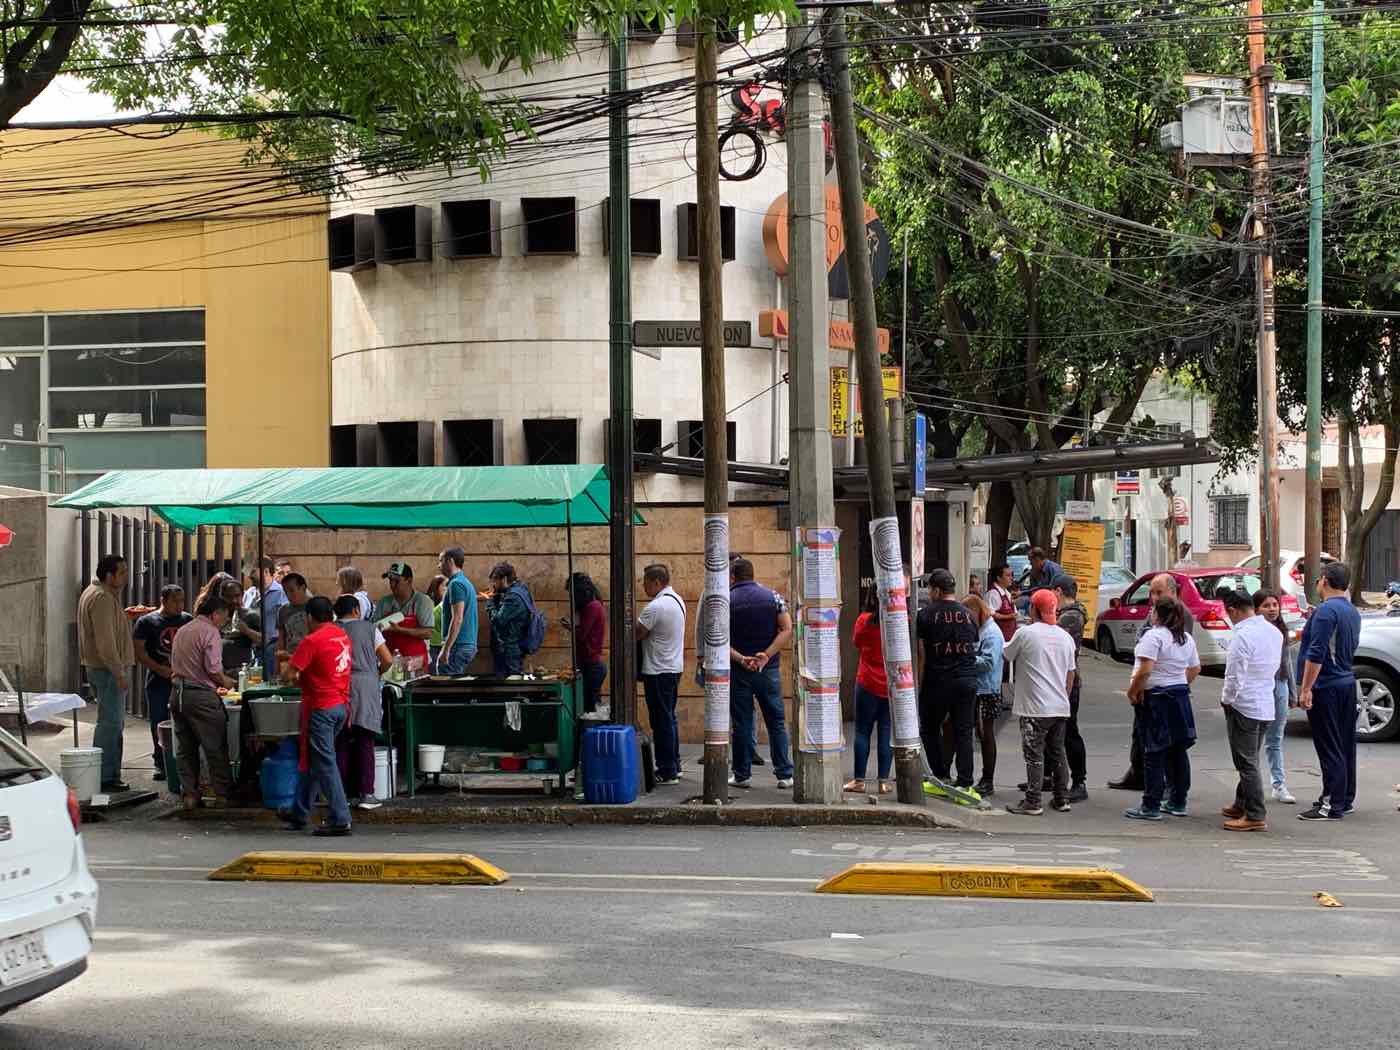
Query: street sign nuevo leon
<point x="687" y="333"/>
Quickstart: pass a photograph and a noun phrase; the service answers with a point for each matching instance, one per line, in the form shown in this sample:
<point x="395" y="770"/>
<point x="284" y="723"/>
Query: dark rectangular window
<point x="691" y="438"/>
<point x="127" y="366"/>
<point x="123" y="409"/>
<point x="646" y="226"/>
<point x="646" y="436"/>
<point x="471" y="229"/>
<point x="688" y="235"/>
<point x="551" y="225"/>
<point x="19" y="398"/>
<point x="473" y="443"/>
<point x="22" y="331"/>
<point x="1231" y="520"/>
<point x="159" y="326"/>
<point x="403" y="234"/>
<point x="355" y="445"/>
<point x="405" y="444"/>
<point x="350" y="242"/>
<point x="550" y="441"/>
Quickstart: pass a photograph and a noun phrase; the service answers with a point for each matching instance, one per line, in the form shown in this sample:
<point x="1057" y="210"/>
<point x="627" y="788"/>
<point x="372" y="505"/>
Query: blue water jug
<point x="610" y="765"/>
<point x="278" y="776"/>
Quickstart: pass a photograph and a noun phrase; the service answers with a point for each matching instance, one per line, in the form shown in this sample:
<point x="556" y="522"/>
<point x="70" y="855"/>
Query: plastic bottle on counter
<point x="243" y="677"/>
<point x="396" y="673"/>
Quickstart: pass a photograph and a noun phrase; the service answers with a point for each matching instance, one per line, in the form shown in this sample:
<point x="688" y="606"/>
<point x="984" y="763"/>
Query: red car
<point x="1119" y="625"/>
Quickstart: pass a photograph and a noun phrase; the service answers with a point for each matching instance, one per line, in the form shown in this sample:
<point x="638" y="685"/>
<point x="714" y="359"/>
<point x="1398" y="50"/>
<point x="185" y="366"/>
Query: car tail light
<point x="1211" y="620"/>
<point x="1297" y="577"/>
<point x="75" y="811"/>
<point x="1288" y="603"/>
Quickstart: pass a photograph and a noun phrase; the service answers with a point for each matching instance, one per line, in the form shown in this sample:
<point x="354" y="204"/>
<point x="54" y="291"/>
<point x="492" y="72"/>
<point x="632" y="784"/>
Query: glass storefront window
<point x="121" y="409"/>
<point x="162" y="326"/>
<point x="126" y="366"/>
<point x="19" y="396"/>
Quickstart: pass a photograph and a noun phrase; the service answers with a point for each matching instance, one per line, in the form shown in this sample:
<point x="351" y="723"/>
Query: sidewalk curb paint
<point x="1006" y="880"/>
<point x="698" y="815"/>
<point x="404" y="869"/>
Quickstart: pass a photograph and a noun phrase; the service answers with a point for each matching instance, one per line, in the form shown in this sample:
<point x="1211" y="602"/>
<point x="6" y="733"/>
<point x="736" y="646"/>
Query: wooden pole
<point x="716" y="596"/>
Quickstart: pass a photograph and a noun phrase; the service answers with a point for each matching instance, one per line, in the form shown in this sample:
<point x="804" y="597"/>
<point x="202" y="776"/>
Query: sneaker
<point x="757" y="760"/>
<point x="1023" y="810"/>
<point x="1282" y="794"/>
<point x="331" y="831"/>
<point x="968" y="789"/>
<point x="736" y="782"/>
<point x="668" y="781"/>
<point x="368" y="803"/>
<point x="934" y="790"/>
<point x="1319" y="811"/>
<point x="1061" y="805"/>
<point x="1079" y="792"/>
<point x="985" y="788"/>
<point x="1173" y="810"/>
<point x="785" y="782"/>
<point x="1138" y="813"/>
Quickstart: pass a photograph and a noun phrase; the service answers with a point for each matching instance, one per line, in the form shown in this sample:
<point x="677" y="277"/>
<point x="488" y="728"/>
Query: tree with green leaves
<point x="1058" y="260"/>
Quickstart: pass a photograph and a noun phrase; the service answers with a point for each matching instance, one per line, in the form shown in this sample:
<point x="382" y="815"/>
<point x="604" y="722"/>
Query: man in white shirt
<point x="661" y="631"/>
<point x="1256" y="646"/>
<point x="1044" y="658"/>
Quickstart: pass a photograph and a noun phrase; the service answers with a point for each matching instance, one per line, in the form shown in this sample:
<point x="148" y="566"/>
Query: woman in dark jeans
<point x="590" y="637"/>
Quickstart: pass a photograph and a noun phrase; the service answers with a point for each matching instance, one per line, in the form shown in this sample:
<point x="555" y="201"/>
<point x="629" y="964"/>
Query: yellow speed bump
<point x="434" y="869"/>
<point x="1005" y="880"/>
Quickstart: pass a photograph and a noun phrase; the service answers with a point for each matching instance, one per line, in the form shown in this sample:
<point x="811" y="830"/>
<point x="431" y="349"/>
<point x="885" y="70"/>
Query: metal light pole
<point x="1312" y="501"/>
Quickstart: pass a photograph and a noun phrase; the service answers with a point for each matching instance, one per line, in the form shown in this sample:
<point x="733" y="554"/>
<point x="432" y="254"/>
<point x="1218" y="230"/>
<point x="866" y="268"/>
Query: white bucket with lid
<point x="384" y="773"/>
<point x="81" y="769"/>
<point x="430" y="757"/>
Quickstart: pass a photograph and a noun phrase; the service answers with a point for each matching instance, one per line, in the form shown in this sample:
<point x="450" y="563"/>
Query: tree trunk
<point x="1037" y="500"/>
<point x="1000" y="504"/>
<point x="1351" y="470"/>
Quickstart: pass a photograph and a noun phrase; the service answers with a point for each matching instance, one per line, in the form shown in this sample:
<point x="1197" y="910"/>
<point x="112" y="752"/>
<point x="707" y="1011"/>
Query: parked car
<point x="1018" y="559"/>
<point x="1114" y="579"/>
<point x="48" y="898"/>
<point x="1290" y="579"/>
<point x="1378" y="678"/>
<point x="1118" y="626"/>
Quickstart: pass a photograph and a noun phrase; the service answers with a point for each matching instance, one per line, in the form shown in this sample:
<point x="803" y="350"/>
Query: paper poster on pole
<point x="1081" y="555"/>
<point x="715" y="602"/>
<point x="821" y="642"/>
<point x="821" y="716"/>
<point x="893" y="591"/>
<point x="819" y="556"/>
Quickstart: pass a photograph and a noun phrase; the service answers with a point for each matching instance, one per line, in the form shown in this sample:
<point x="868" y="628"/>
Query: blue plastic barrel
<point x="278" y="776"/>
<point x="610" y="765"/>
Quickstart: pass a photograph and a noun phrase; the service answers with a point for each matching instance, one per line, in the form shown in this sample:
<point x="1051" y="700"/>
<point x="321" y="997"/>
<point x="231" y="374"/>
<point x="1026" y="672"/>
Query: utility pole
<point x="620" y="507"/>
<point x="812" y="492"/>
<point x="1312" y="495"/>
<point x="884" y="525"/>
<point x="716" y="597"/>
<point x="1259" y="76"/>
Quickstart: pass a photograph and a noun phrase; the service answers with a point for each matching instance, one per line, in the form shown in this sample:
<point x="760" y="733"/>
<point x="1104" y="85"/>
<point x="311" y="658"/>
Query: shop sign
<point x="1126" y="483"/>
<point x="1181" y="511"/>
<point x="840" y="399"/>
<point x="840" y="335"/>
<point x="776" y="239"/>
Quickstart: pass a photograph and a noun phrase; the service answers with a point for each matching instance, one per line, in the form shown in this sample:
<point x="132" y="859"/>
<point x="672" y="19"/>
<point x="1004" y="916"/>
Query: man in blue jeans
<point x="459" y="619"/>
<point x="321" y="667"/>
<point x="661" y="630"/>
<point x="1327" y="691"/>
<point x="106" y="651"/>
<point x="760" y="628"/>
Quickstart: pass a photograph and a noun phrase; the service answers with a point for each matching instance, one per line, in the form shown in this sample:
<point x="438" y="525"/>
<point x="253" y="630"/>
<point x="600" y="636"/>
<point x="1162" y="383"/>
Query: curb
<point x="778" y="816"/>
<point x="974" y="880"/>
<point x="397" y="869"/>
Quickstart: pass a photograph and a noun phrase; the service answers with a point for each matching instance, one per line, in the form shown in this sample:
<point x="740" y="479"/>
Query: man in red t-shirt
<point x="321" y="667"/>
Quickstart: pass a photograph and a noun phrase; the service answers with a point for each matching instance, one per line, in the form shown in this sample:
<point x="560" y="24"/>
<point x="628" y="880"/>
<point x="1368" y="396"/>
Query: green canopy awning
<point x="360" y="497"/>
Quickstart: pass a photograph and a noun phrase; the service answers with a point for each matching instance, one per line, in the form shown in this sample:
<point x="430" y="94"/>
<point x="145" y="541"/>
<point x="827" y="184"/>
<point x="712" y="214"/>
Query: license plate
<point x="23" y="957"/>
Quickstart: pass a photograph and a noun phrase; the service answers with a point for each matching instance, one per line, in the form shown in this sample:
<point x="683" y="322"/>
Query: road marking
<point x="523" y="847"/>
<point x="947" y="851"/>
<point x="1044" y="956"/>
<point x="1344" y="865"/>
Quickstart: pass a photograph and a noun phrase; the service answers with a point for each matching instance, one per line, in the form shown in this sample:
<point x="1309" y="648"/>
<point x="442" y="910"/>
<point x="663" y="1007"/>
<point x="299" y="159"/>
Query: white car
<point x="1290" y="579"/>
<point x="1114" y="579"/>
<point x="48" y="898"/>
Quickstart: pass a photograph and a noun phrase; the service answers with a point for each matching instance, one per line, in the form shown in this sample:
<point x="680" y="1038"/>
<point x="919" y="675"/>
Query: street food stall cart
<point x="523" y="725"/>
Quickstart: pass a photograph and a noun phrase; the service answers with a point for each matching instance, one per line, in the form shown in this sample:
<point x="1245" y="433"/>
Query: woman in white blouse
<point x="1167" y="664"/>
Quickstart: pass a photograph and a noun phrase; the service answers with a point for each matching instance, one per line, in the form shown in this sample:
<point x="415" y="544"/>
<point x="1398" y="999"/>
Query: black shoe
<point x="112" y="787"/>
<point x="1078" y="792"/>
<point x="331" y="831"/>
<point x="985" y="788"/>
<point x="287" y="817"/>
<point x="1319" y="813"/>
<point x="757" y="760"/>
<point x="1129" y="781"/>
<point x="1046" y="785"/>
<point x="159" y="774"/>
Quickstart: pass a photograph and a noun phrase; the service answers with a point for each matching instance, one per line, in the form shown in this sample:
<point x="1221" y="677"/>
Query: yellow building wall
<point x="183" y="222"/>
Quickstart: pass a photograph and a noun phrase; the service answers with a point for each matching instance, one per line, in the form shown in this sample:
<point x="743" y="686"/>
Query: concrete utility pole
<point x="1260" y="73"/>
<point x="620" y="507"/>
<point x="812" y="493"/>
<point x="715" y="602"/>
<point x="884" y="526"/>
<point x="1312" y="496"/>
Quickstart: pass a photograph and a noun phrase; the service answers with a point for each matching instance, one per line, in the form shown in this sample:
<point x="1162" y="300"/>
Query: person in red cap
<point x="1043" y="656"/>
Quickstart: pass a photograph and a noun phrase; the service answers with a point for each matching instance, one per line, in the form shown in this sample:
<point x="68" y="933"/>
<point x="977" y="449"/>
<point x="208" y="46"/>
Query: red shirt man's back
<point x="323" y="658"/>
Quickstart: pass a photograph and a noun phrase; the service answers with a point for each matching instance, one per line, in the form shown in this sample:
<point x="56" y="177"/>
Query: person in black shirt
<point x="949" y="632"/>
<point x="153" y="636"/>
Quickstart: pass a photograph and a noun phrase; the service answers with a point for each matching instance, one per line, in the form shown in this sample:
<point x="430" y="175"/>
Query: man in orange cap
<point x="1043" y="655"/>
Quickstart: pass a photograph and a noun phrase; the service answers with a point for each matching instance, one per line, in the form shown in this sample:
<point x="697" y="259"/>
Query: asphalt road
<point x="619" y="937"/>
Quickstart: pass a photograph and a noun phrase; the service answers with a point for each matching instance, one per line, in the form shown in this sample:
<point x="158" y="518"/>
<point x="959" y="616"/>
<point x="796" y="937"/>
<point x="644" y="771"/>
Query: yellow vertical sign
<point x="840" y="399"/>
<point x="1081" y="555"/>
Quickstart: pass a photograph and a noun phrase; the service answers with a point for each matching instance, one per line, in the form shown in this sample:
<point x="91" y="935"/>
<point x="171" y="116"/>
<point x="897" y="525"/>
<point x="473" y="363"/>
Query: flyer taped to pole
<point x="817" y="587"/>
<point x="715" y="610"/>
<point x="893" y="589"/>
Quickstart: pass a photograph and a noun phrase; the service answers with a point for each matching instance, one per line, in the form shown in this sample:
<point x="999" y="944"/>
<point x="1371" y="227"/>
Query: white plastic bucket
<point x="430" y="757"/>
<point x="384" y="773"/>
<point x="81" y="769"/>
<point x="235" y="738"/>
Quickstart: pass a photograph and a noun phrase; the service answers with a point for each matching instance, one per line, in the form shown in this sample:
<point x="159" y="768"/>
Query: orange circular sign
<point x="777" y="242"/>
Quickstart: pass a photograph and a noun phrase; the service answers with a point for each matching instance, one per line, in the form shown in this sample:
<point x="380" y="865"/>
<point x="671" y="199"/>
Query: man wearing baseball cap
<point x="407" y="636"/>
